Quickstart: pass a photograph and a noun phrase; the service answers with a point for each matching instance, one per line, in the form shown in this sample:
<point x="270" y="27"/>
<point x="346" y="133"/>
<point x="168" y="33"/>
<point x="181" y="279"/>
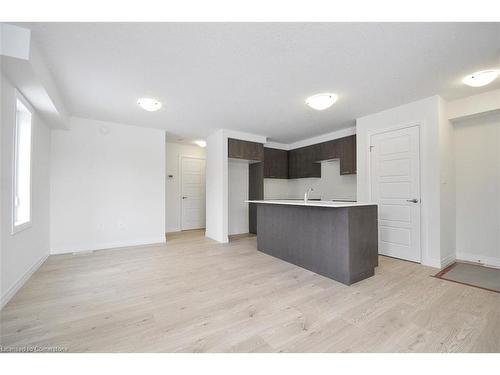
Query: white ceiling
<point x="254" y="77"/>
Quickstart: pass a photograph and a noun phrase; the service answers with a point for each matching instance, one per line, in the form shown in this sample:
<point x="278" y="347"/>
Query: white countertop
<point x="311" y="203"/>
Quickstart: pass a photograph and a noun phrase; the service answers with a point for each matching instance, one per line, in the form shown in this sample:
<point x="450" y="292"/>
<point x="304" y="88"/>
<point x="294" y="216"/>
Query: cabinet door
<point x="348" y="155"/>
<point x="275" y="163"/>
<point x="255" y="192"/>
<point x="238" y="149"/>
<point x="234" y="148"/>
<point x="302" y="162"/>
<point x="328" y="150"/>
<point x="254" y="151"/>
<point x="314" y="168"/>
<point x="293" y="157"/>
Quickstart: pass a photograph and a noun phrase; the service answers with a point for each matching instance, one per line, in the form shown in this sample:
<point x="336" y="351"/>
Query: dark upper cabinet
<point x="343" y="149"/>
<point x="302" y="162"/>
<point x="299" y="163"/>
<point x="293" y="161"/>
<point x="347" y="155"/>
<point x="328" y="150"/>
<point x="238" y="149"/>
<point x="275" y="163"/>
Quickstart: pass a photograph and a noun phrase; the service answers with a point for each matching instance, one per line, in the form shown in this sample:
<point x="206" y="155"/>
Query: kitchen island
<point x="338" y="240"/>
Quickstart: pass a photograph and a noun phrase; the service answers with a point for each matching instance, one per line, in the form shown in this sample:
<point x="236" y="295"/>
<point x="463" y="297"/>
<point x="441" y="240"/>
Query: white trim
<point x="173" y="229"/>
<point x="277" y="145"/>
<point x="21" y="281"/>
<point x="20" y="227"/>
<point x="25" y="101"/>
<point x="323" y="138"/>
<point x="180" y="184"/>
<point x="448" y="260"/>
<point x="110" y="245"/>
<point x="433" y="262"/>
<point x="423" y="210"/>
<point x="479" y="259"/>
<point x="244" y="136"/>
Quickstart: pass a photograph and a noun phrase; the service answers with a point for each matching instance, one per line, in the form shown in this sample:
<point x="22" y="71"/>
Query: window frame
<point x="20" y="227"/>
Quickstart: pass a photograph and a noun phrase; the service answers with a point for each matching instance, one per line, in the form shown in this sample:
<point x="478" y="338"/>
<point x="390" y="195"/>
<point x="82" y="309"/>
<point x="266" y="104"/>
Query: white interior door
<point x="395" y="186"/>
<point x="192" y="193"/>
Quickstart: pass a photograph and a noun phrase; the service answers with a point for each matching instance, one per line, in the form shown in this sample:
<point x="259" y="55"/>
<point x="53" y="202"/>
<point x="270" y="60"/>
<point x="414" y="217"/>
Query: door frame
<point x="181" y="157"/>
<point x="423" y="207"/>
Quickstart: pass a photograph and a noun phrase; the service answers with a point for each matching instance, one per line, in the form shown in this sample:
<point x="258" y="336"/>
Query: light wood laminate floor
<point x="194" y="295"/>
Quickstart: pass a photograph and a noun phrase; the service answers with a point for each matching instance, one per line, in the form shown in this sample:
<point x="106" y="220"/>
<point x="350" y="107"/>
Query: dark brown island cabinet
<point x="339" y="241"/>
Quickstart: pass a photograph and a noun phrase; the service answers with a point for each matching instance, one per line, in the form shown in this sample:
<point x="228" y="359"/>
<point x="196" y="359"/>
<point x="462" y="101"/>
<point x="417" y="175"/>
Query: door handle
<point x="414" y="200"/>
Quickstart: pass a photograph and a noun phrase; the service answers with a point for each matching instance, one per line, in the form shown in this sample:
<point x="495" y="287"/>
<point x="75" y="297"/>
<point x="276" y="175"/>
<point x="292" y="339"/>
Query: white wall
<point x="275" y="188"/>
<point x="330" y="186"/>
<point x="15" y="41"/>
<point x="216" y="187"/>
<point x="477" y="168"/>
<point x="107" y="186"/>
<point x="23" y="252"/>
<point x="24" y="65"/>
<point x="426" y="113"/>
<point x="237" y="194"/>
<point x="474" y="105"/>
<point x="174" y="151"/>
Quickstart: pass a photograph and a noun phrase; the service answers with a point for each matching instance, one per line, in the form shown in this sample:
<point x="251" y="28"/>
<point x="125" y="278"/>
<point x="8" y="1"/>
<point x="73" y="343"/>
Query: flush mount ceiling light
<point x="149" y="104"/>
<point x="481" y="78"/>
<point x="201" y="143"/>
<point x="321" y="101"/>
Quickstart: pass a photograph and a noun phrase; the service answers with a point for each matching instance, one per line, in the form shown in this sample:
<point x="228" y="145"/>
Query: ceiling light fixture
<point x="481" y="78"/>
<point x="321" y="101"/>
<point x="149" y="104"/>
<point x="201" y="143"/>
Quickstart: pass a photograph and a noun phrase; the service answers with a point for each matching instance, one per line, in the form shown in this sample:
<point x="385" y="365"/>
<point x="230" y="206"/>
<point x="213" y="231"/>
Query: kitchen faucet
<point x="306" y="194"/>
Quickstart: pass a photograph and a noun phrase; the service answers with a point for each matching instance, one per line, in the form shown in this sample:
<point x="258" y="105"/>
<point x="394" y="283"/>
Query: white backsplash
<point x="330" y="186"/>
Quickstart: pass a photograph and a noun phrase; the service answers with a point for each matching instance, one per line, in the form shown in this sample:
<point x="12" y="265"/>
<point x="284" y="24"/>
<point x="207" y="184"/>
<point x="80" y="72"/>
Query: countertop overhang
<point x="331" y="204"/>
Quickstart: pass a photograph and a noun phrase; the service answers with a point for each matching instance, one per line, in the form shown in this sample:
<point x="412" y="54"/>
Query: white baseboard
<point x="19" y="283"/>
<point x="173" y="230"/>
<point x="431" y="262"/>
<point x="480" y="259"/>
<point x="109" y="245"/>
<point x="447" y="261"/>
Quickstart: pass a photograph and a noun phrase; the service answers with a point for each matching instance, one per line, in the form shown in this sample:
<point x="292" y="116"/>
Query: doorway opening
<point x="185" y="200"/>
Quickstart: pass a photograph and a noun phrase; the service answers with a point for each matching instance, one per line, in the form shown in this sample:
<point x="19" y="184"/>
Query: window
<point x="22" y="168"/>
